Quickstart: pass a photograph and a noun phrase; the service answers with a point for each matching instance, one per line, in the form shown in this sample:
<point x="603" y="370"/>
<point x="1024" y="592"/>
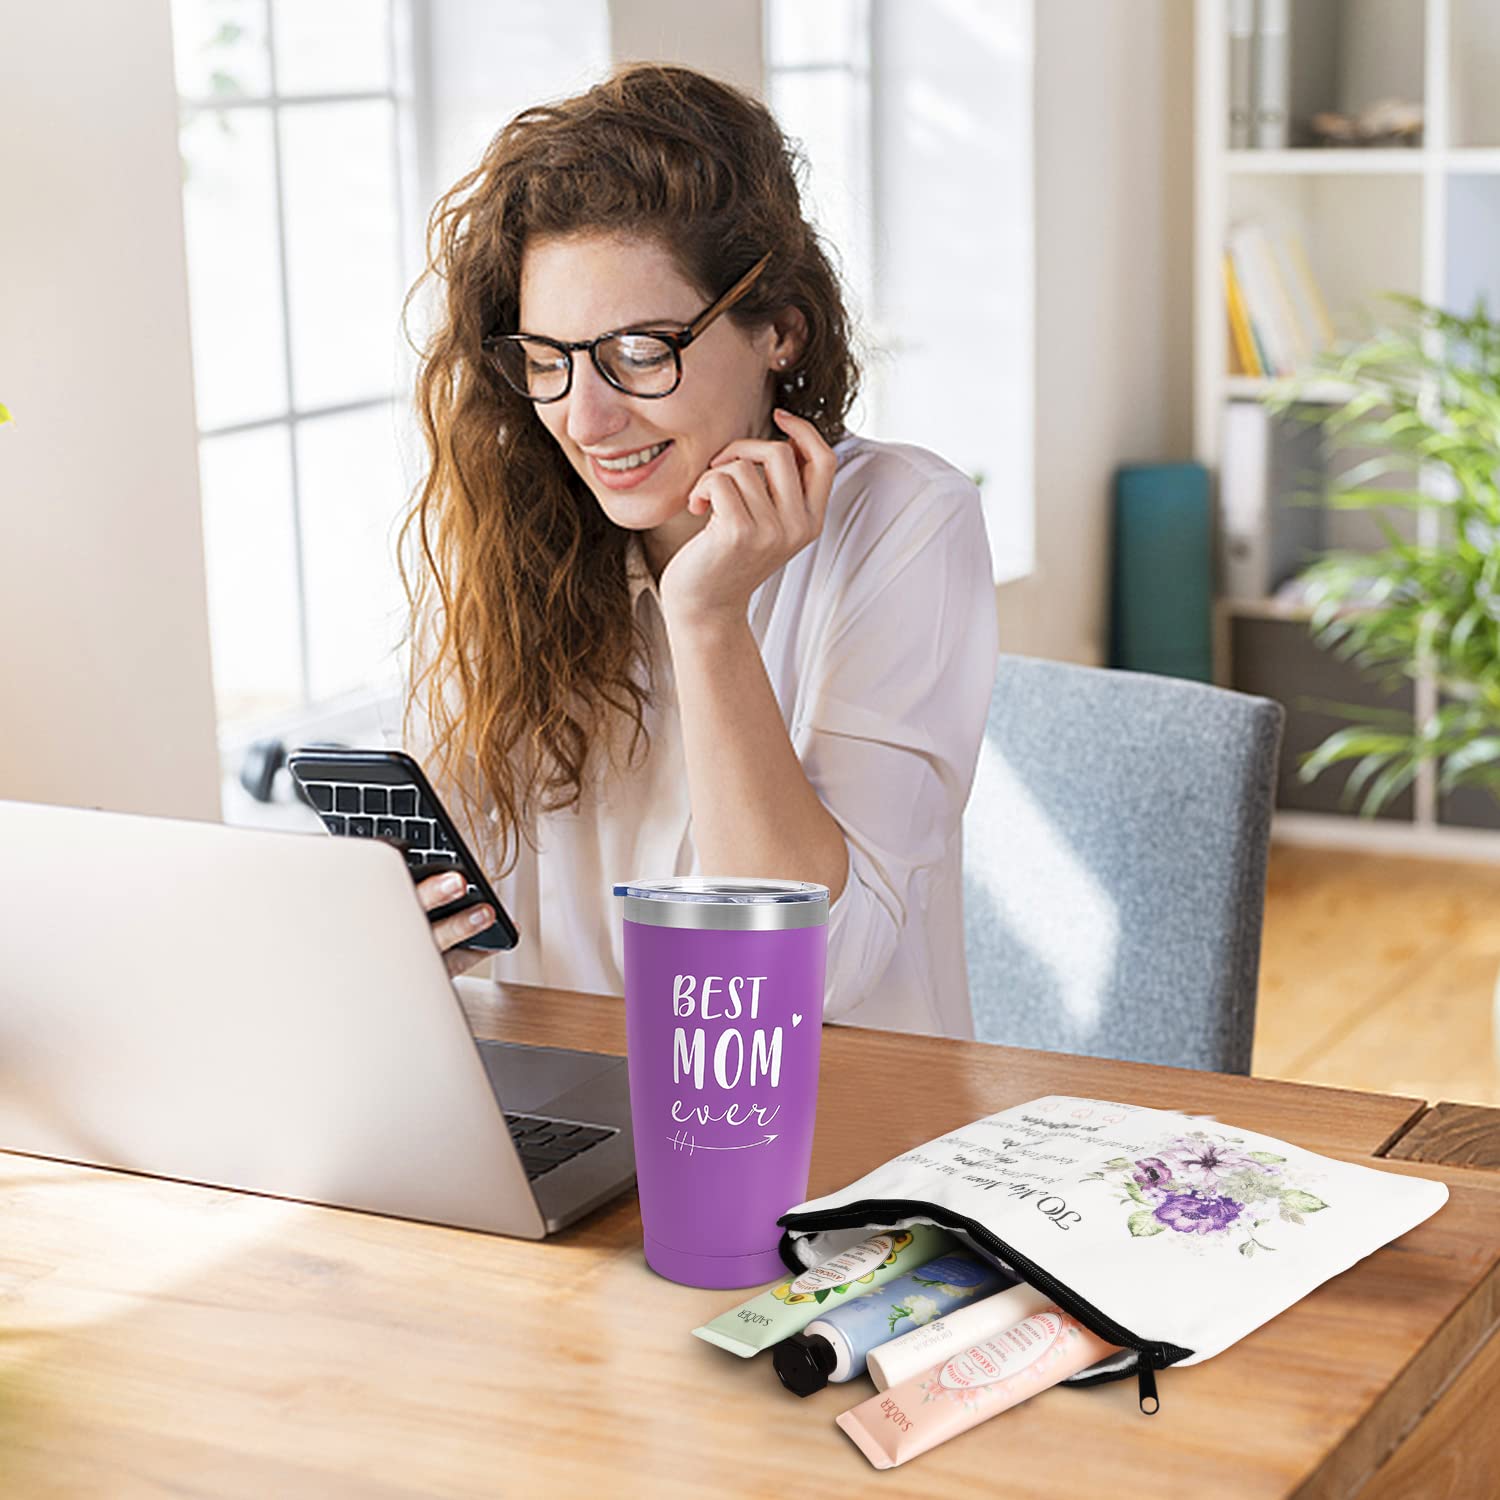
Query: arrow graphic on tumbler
<point x="682" y="1139"/>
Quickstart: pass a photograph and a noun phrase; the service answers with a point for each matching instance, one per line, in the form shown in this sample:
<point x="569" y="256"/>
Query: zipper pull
<point x="1146" y="1375"/>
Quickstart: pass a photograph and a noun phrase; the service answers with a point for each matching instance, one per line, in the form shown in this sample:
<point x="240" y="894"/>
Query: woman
<point x="670" y="616"/>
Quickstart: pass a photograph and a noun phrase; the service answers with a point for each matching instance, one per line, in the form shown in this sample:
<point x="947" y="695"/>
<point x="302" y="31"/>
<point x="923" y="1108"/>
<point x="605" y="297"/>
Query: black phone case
<point x="347" y="789"/>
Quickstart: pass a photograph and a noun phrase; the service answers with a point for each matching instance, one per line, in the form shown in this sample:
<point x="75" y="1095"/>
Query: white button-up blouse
<point x="880" y="642"/>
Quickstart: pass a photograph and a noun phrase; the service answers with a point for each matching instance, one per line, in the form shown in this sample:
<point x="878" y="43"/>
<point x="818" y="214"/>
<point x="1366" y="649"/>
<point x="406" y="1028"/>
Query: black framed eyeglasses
<point x="644" y="362"/>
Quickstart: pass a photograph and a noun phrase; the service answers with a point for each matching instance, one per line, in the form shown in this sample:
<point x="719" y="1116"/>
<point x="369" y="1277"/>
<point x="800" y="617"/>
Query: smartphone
<point x="383" y="794"/>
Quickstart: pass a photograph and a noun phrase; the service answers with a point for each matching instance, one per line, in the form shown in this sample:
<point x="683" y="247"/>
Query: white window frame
<point x="405" y="22"/>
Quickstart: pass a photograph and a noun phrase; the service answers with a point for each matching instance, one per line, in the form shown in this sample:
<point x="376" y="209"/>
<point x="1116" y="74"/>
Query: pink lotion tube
<point x="969" y="1388"/>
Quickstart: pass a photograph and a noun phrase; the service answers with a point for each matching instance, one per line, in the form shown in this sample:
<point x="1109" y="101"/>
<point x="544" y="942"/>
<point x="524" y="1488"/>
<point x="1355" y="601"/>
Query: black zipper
<point x="1154" y="1355"/>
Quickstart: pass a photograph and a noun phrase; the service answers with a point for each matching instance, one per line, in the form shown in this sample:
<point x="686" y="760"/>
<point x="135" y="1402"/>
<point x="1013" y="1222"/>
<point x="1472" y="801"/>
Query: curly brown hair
<point x="530" y="638"/>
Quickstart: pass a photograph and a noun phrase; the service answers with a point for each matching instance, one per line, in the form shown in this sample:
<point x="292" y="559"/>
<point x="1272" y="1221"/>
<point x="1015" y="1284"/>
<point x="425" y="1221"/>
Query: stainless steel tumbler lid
<point x="728" y="903"/>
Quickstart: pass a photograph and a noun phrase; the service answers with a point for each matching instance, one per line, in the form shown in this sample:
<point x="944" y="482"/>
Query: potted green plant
<point x="1426" y="394"/>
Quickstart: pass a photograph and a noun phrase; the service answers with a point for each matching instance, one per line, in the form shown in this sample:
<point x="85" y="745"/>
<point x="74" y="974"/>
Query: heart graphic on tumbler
<point x="796" y="1019"/>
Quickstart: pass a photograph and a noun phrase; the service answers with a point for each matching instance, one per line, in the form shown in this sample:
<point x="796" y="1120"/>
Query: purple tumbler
<point x="723" y="1021"/>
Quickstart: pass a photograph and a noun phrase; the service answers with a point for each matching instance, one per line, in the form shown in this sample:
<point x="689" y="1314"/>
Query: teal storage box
<point x="1161" y="592"/>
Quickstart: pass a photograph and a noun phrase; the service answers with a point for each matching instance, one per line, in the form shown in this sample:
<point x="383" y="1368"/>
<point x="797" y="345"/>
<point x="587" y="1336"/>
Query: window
<point x="916" y="120"/>
<point x="818" y="87"/>
<point x="296" y="133"/>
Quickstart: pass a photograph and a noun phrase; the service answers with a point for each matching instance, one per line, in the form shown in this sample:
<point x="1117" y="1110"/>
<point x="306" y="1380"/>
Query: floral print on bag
<point x="1205" y="1185"/>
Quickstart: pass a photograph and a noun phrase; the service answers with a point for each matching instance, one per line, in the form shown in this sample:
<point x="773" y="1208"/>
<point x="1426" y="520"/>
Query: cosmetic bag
<point x="1170" y="1235"/>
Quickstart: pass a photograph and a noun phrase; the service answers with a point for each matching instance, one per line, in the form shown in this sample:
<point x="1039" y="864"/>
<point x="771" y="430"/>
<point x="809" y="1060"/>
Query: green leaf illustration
<point x="821" y="1295"/>
<point x="1300" y="1202"/>
<point x="1251" y="1185"/>
<point x="1264" y="1156"/>
<point x="1144" y="1224"/>
<point x="1118" y="1161"/>
<point x="1135" y="1192"/>
<point x="897" y="1313"/>
<point x="1247" y="1247"/>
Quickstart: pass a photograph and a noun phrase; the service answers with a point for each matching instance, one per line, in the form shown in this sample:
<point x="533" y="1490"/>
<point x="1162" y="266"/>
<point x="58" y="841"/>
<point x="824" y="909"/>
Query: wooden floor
<point x="1379" y="973"/>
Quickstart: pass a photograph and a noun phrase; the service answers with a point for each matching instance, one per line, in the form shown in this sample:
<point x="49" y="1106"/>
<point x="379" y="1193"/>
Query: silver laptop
<point x="268" y="1011"/>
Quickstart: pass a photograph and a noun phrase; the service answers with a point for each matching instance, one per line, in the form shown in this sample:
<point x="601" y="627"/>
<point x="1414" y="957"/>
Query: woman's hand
<point x="439" y="890"/>
<point x="767" y="501"/>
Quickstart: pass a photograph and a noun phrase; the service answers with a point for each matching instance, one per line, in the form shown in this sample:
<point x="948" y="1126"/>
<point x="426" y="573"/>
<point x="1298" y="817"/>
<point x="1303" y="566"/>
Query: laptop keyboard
<point x="544" y="1144"/>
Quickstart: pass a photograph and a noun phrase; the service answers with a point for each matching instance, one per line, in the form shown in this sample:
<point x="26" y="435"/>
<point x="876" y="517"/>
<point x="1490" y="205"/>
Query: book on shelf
<point x="1268" y="531"/>
<point x="1243" y="352"/>
<point x="1241" y="72"/>
<point x="1310" y="299"/>
<point x="1270" y="289"/>
<point x="1271" y="75"/>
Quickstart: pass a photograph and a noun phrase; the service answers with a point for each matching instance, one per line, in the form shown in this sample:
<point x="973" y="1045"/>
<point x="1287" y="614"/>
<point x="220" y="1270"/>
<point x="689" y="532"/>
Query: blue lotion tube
<point x="835" y="1347"/>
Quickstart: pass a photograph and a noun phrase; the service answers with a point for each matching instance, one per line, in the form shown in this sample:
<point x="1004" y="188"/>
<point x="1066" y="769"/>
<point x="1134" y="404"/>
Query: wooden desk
<point x="1454" y="1135"/>
<point x="162" y="1339"/>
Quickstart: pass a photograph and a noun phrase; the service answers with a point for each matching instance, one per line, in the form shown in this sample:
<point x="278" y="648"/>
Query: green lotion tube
<point x="790" y="1306"/>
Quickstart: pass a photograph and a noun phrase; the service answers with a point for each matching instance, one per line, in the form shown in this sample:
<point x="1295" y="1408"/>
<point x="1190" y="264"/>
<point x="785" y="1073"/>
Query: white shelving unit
<point x="1423" y="220"/>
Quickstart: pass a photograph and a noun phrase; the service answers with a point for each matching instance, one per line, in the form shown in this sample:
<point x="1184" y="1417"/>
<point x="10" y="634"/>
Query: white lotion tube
<point x="955" y="1331"/>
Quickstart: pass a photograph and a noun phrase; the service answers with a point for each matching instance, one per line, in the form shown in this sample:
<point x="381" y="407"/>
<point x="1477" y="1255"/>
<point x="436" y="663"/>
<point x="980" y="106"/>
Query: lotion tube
<point x="790" y="1306"/>
<point x="955" y="1331"/>
<point x="971" y="1387"/>
<point x="834" y="1346"/>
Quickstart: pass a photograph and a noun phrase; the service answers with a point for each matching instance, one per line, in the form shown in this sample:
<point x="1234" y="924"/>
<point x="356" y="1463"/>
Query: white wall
<point x="106" y="695"/>
<point x="1114" y="96"/>
<point x="722" y="37"/>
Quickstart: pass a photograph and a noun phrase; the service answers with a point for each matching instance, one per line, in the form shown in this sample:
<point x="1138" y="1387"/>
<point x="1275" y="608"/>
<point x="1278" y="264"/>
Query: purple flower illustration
<point x="1152" y="1175"/>
<point x="1202" y="1163"/>
<point x="1197" y="1184"/>
<point x="1190" y="1213"/>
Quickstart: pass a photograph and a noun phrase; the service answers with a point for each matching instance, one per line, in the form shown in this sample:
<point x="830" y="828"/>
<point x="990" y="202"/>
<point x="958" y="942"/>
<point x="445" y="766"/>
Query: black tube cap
<point x="804" y="1362"/>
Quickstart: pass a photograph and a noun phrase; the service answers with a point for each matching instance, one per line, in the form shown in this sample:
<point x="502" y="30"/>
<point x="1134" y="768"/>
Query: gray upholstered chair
<point x="1115" y="864"/>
